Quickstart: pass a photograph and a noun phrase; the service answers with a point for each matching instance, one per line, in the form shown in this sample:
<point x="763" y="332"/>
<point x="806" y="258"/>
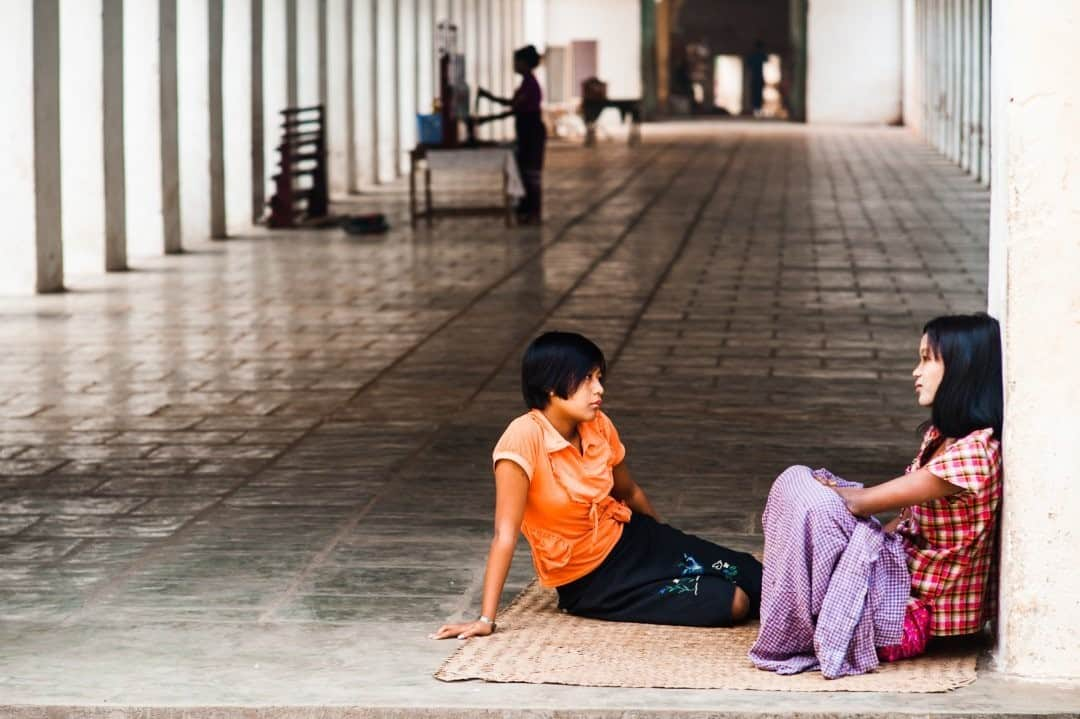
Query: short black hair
<point x="969" y="397"/>
<point x="528" y="55"/>
<point x="557" y="362"/>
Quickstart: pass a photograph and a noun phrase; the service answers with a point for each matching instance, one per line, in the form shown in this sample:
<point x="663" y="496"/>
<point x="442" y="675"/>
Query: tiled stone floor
<point x="257" y="474"/>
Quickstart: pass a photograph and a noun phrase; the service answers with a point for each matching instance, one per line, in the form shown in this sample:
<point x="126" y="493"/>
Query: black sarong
<point x="531" y="140"/>
<point x="659" y="575"/>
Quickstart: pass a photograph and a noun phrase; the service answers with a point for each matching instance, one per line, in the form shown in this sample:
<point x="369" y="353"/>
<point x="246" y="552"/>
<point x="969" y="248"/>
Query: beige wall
<point x="854" y="61"/>
<point x="615" y="25"/>
<point x="1035" y="290"/>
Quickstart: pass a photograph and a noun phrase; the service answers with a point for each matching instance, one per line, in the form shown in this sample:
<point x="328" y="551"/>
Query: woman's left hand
<point x="463" y="630"/>
<point x="850" y="495"/>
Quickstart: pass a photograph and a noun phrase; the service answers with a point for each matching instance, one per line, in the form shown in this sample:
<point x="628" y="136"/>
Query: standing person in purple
<point x="840" y="591"/>
<point x="531" y="134"/>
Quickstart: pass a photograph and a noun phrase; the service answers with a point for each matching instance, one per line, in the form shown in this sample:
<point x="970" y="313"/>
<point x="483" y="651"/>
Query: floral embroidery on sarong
<point x="691" y="571"/>
<point x="727" y="571"/>
<point x="681" y="586"/>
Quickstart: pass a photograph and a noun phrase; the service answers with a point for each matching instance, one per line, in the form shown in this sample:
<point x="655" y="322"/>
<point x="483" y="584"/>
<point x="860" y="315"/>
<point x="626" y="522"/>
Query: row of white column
<point x="950" y="79"/>
<point x="134" y="127"/>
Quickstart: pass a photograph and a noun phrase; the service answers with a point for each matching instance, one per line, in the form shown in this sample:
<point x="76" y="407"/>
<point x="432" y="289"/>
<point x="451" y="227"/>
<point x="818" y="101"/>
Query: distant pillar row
<point x="133" y="128"/>
<point x="947" y="78"/>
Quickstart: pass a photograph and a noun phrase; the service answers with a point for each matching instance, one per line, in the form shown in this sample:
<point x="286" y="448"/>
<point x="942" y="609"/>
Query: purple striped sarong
<point x="834" y="587"/>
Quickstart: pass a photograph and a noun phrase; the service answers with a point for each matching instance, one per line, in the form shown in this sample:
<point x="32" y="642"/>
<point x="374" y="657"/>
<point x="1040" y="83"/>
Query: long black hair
<point x="557" y="362"/>
<point x="970" y="394"/>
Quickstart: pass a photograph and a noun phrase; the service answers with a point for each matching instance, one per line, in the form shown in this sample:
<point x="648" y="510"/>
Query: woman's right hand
<point x="464" y="630"/>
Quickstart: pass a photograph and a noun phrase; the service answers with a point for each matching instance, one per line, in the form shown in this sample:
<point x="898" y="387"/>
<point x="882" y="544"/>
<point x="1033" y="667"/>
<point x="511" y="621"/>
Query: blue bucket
<point x="429" y="129"/>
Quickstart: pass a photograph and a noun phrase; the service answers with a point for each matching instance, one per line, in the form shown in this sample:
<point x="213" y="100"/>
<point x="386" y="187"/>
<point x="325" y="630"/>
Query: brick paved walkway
<point x="258" y="473"/>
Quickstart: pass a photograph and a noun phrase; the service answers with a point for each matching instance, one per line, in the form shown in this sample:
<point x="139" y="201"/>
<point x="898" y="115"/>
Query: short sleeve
<point x="968" y="463"/>
<point x="521" y="443"/>
<point x="618" y="451"/>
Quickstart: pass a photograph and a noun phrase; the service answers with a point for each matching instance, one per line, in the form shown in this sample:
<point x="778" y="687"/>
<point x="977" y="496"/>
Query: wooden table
<point x="478" y="157"/>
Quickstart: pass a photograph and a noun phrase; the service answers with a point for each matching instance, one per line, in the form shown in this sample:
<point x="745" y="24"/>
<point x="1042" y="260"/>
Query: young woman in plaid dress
<point x="841" y="592"/>
<point x="949" y="498"/>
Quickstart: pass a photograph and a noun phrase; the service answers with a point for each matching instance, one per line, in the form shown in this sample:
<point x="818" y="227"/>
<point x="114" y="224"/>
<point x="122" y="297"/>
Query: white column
<point x="971" y="84"/>
<point x="277" y="79"/>
<point x="386" y="89"/>
<point x="471" y="46"/>
<point x="958" y="87"/>
<point x="440" y="11"/>
<point x="938" y="22"/>
<point x="365" y="108"/>
<point x="910" y="94"/>
<point x="500" y="60"/>
<point x="957" y="80"/>
<point x="307" y="52"/>
<point x="112" y="89"/>
<point x="924" y="65"/>
<point x="49" y="234"/>
<point x="406" y="58"/>
<point x="142" y="129"/>
<point x="18" y="185"/>
<point x="947" y="65"/>
<point x="30" y="148"/>
<point x="1035" y="222"/>
<point x="323" y="68"/>
<point x="216" y="83"/>
<point x="258" y="112"/>
<point x="482" y="58"/>
<point x="338" y="95"/>
<point x="425" y="62"/>
<point x="961" y="85"/>
<point x="502" y="54"/>
<point x="519" y="37"/>
<point x="291" y="51"/>
<point x="950" y="78"/>
<point x="961" y="81"/>
<point x="82" y="136"/>
<point x="984" y="21"/>
<point x="511" y="40"/>
<point x="947" y="94"/>
<point x="239" y="147"/>
<point x="926" y="20"/>
<point x="170" y="139"/>
<point x="193" y="121"/>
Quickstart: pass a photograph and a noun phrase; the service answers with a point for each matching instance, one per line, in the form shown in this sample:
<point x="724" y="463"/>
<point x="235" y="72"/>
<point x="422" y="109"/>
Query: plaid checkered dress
<point x="950" y="542"/>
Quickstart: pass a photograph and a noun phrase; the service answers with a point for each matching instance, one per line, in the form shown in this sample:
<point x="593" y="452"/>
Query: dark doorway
<point x="743" y="58"/>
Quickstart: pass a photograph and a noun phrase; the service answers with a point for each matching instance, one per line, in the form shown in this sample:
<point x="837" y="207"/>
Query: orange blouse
<point x="571" y="520"/>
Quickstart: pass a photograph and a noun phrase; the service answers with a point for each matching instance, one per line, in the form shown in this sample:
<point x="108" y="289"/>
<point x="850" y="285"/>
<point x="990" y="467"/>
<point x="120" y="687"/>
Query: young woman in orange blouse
<point x="561" y="480"/>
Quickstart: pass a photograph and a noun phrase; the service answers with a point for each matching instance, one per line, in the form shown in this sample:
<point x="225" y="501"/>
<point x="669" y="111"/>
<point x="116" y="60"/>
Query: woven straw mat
<point x="538" y="644"/>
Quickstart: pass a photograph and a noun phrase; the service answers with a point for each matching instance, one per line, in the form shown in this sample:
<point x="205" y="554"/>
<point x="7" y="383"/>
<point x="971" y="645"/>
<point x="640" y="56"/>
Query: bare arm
<point x="494" y="98"/>
<point x="483" y="119"/>
<point x="627" y="490"/>
<point x="511" y="493"/>
<point x="911" y="489"/>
